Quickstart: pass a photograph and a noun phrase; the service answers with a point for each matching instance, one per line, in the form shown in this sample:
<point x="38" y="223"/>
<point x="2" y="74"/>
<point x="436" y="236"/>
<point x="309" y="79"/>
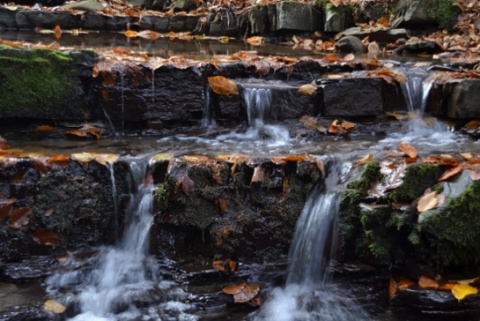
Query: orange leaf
<point x="222" y="86"/>
<point x="45" y="237"/>
<point x="395" y="115"/>
<point x="58" y="32"/>
<point x="348" y="125"/>
<point x="426" y="283"/>
<point x="243" y="292"/>
<point x="86" y="131"/>
<point x="472" y="124"/>
<point x="44" y="128"/>
<point x="131" y="34"/>
<point x="307" y="89"/>
<point x="409" y="150"/>
<point x="219" y="265"/>
<point x="58" y="161"/>
<point x="331" y="58"/>
<point x="256" y="40"/>
<point x="20" y="217"/>
<point x="450" y="173"/>
<point x="392" y="289"/>
<point x="232" y="264"/>
<point x="404" y="283"/>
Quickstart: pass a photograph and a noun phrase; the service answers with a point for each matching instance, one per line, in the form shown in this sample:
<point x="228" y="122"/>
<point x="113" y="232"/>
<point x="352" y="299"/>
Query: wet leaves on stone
<point x="54" y="307"/>
<point x="307" y="90"/>
<point x="243" y="292"/>
<point x="461" y="291"/>
<point x="451" y="173"/>
<point x="86" y="131"/>
<point x="222" y="86"/>
<point x="20" y="217"/>
<point x="227" y="265"/>
<point x="45" y="237"/>
<point x="408" y="149"/>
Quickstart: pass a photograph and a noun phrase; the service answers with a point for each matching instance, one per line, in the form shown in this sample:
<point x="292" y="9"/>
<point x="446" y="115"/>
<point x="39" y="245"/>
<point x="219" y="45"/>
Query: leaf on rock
<point x="474" y="176"/>
<point x="58" y="32"/>
<point x="58" y="161"/>
<point x="45" y="237"/>
<point x="54" y="307"/>
<point x="195" y="159"/>
<point x="258" y="175"/>
<point x="256" y="40"/>
<point x="408" y="149"/>
<point x="188" y="186"/>
<point x="6" y="208"/>
<point x="461" y="291"/>
<point x="450" y="173"/>
<point x="243" y="292"/>
<point x="20" y="217"/>
<point x="405" y="283"/>
<point x="466" y="156"/>
<point x="395" y="115"/>
<point x="349" y="57"/>
<point x="222" y="86"/>
<point x="392" y="289"/>
<point x="448" y="160"/>
<point x="427" y="202"/>
<point x="86" y="131"/>
<point x="131" y="34"/>
<point x="367" y="159"/>
<point x="472" y="124"/>
<point x="427" y="283"/>
<point x="44" y="128"/>
<point x="348" y="126"/>
<point x="307" y="89"/>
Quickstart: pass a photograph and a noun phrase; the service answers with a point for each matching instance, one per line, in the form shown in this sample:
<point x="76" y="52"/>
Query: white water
<point x="308" y="294"/>
<point x="106" y="284"/>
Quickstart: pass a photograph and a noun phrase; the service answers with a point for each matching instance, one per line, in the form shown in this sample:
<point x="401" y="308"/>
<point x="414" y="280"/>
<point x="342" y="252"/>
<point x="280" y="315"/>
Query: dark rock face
<point x="351" y="44"/>
<point x="232" y="209"/>
<point x="71" y="199"/>
<point x="463" y="98"/>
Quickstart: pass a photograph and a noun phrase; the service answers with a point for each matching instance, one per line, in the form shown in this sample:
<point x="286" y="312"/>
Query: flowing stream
<point x="309" y="294"/>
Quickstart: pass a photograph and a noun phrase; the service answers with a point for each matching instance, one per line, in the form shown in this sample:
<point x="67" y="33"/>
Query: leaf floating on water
<point x="222" y="86"/>
<point x="86" y="131"/>
<point x="243" y="292"/>
<point x="20" y="217"/>
<point x="307" y="89"/>
<point x="450" y="173"/>
<point x="45" y="237"/>
<point x="256" y="40"/>
<point x="54" y="307"/>
<point x="427" y="283"/>
<point x="461" y="291"/>
<point x="408" y="149"/>
<point x="427" y="202"/>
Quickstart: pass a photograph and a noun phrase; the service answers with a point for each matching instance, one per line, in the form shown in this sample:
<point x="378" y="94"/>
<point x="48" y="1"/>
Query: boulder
<point x="296" y="16"/>
<point x="462" y="98"/>
<point x="258" y="20"/>
<point x="382" y="35"/>
<point x="336" y="19"/>
<point x="415" y="13"/>
<point x="7" y="19"/>
<point x="351" y="44"/>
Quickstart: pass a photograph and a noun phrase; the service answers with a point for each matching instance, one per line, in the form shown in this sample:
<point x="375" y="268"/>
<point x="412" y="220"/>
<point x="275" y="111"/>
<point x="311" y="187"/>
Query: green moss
<point x="418" y="178"/>
<point x="452" y="234"/>
<point x="444" y="13"/>
<point x="370" y="175"/>
<point x="36" y="83"/>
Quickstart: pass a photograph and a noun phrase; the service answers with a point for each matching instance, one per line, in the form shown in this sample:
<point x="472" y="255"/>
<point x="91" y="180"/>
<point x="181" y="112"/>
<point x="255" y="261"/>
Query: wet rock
<point x="356" y="97"/>
<point x="414" y="13"/>
<point x="296" y="16"/>
<point x="34" y="312"/>
<point x="381" y="35"/>
<point x="159" y="24"/>
<point x="420" y="47"/>
<point x="117" y="23"/>
<point x="336" y="18"/>
<point x="351" y="44"/>
<point x="35" y="267"/>
<point x="224" y="23"/>
<point x="462" y="96"/>
<point x="49" y="20"/>
<point x="7" y="19"/>
<point x="93" y="22"/>
<point x="258" y="20"/>
<point x="184" y="5"/>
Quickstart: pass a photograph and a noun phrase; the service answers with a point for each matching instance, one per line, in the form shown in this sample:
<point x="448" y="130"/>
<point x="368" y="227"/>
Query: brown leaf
<point x="222" y="86"/>
<point x="243" y="292"/>
<point x="232" y="264"/>
<point x="188" y="186"/>
<point x="58" y="161"/>
<point x="20" y="217"/>
<point x="54" y="307"/>
<point x="427" y="283"/>
<point x="258" y="175"/>
<point x="58" y="32"/>
<point x="348" y="126"/>
<point x="219" y="265"/>
<point x="474" y="176"/>
<point x="472" y="124"/>
<point x="307" y="89"/>
<point x="86" y="131"/>
<point x="427" y="202"/>
<point x="256" y="40"/>
<point x="3" y="143"/>
<point x="45" y="237"/>
<point x="404" y="283"/>
<point x="44" y="128"/>
<point x="392" y="289"/>
<point x="450" y="173"/>
<point x="395" y="115"/>
<point x="6" y="208"/>
<point x="409" y="150"/>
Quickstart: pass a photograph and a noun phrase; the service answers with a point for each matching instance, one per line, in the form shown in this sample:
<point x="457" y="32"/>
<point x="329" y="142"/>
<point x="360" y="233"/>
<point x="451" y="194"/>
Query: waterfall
<point x="118" y="275"/>
<point x="308" y="294"/>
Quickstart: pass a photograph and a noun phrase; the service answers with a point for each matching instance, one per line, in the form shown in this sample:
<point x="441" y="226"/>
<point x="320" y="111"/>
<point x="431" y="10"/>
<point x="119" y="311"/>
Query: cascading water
<point x="107" y="286"/>
<point x="307" y="295"/>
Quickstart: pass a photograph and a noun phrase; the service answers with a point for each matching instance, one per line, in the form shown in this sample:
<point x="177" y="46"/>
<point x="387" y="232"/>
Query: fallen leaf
<point x="54" y="307"/>
<point x="348" y="126"/>
<point x="365" y="160"/>
<point x="472" y="124"/>
<point x="3" y="143"/>
<point x="86" y="131"/>
<point x="349" y="57"/>
<point x="188" y="186"/>
<point x="243" y="292"/>
<point x="6" y="208"/>
<point x="466" y="156"/>
<point x="427" y="202"/>
<point x="131" y="33"/>
<point x="450" y="173"/>
<point x="20" y="217"/>
<point x="427" y="283"/>
<point x="405" y="283"/>
<point x="44" y="128"/>
<point x="461" y="291"/>
<point x="222" y="86"/>
<point x="307" y="89"/>
<point x="58" y="32"/>
<point x="45" y="237"/>
<point x="409" y="150"/>
<point x="256" y="40"/>
<point x="392" y="289"/>
<point x="258" y="175"/>
<point x="474" y="176"/>
<point x="232" y="264"/>
<point x="395" y="115"/>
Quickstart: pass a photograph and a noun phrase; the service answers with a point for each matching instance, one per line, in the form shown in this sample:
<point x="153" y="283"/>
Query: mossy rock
<point x="451" y="236"/>
<point x="44" y="84"/>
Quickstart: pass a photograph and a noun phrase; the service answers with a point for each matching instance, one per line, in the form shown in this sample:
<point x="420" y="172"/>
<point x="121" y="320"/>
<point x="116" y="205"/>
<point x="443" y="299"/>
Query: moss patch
<point x="39" y="84"/>
<point x="444" y="13"/>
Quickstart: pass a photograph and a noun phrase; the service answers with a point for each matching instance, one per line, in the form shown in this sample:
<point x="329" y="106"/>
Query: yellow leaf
<point x="131" y="34"/>
<point x="461" y="291"/>
<point x="365" y="160"/>
<point x="307" y="89"/>
<point x="427" y="202"/>
<point x="54" y="307"/>
<point x="256" y="40"/>
<point x="395" y="115"/>
<point x="222" y="86"/>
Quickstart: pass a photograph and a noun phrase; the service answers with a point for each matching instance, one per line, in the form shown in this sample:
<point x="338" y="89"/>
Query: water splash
<point x="308" y="295"/>
<point x="109" y="282"/>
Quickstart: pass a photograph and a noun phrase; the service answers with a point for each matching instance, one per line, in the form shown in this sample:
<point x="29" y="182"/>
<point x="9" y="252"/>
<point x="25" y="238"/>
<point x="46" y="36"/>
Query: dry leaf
<point x="395" y="115"/>
<point x="349" y="57"/>
<point x="243" y="292"/>
<point x="20" y="217"/>
<point x="472" y="124"/>
<point x="427" y="283"/>
<point x="45" y="237"/>
<point x="392" y="289"/>
<point x="222" y="86"/>
<point x="450" y="173"/>
<point x="6" y="208"/>
<point x="348" y="126"/>
<point x="474" y="176"/>
<point x="409" y="150"/>
<point x="427" y="202"/>
<point x="188" y="186"/>
<point x="256" y="40"/>
<point x="54" y="307"/>
<point x="461" y="291"/>
<point x="307" y="89"/>
<point x="44" y="128"/>
<point x="86" y="131"/>
<point x="258" y="175"/>
<point x="130" y="33"/>
<point x="365" y="160"/>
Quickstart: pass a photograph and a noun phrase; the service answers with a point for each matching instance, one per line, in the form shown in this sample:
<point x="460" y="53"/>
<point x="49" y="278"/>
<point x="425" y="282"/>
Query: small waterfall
<point x="207" y="119"/>
<point x="415" y="91"/>
<point x="308" y="295"/>
<point x="114" y="198"/>
<point x="122" y="99"/>
<point x="117" y="276"/>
